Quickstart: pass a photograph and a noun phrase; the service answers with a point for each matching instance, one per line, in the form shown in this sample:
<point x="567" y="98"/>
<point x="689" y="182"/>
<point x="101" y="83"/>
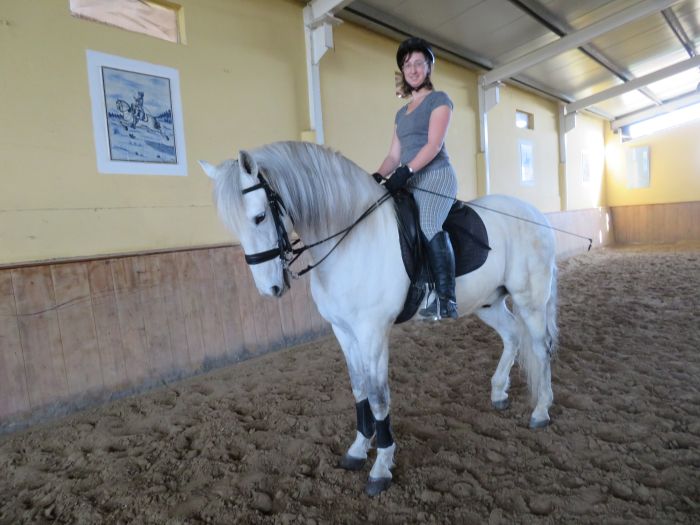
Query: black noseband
<point x="262" y="257"/>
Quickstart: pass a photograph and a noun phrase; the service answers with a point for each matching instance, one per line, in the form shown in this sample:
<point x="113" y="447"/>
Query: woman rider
<point x="418" y="160"/>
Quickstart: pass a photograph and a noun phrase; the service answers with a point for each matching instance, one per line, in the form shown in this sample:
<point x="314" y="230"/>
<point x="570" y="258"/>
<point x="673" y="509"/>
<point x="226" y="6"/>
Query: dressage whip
<point x="344" y="232"/>
<point x="589" y="239"/>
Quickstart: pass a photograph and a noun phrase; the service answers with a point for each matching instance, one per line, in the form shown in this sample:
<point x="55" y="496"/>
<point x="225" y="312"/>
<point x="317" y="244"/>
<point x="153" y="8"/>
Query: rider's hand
<point x="378" y="177"/>
<point x="399" y="178"/>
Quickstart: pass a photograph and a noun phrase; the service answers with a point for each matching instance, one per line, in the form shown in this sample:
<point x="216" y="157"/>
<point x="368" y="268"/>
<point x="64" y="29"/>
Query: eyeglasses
<point x="418" y="64"/>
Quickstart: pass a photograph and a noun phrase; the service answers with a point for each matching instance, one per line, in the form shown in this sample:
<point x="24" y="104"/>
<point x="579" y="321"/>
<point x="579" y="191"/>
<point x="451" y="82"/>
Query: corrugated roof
<point x="487" y="34"/>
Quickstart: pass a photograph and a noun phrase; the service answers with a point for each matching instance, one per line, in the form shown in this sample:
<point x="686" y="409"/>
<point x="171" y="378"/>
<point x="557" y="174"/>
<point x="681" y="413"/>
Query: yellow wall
<point x="359" y="104"/>
<point x="674" y="167"/>
<point x="587" y="139"/>
<point x="243" y="83"/>
<point x="504" y="150"/>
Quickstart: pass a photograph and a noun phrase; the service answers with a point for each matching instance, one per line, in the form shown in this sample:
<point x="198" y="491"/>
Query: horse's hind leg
<point x="536" y="360"/>
<point x="500" y="318"/>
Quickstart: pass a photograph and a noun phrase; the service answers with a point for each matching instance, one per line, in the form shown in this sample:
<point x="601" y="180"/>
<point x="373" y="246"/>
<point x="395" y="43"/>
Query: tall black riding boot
<point x="442" y="262"/>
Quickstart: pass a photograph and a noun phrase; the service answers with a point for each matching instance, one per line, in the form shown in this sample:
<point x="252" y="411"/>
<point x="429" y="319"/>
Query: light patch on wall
<point x="638" y="167"/>
<point x="585" y="167"/>
<point x="527" y="172"/>
<point x="156" y="18"/>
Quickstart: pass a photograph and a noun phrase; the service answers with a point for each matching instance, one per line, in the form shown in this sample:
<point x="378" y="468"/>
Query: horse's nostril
<point x="275" y="290"/>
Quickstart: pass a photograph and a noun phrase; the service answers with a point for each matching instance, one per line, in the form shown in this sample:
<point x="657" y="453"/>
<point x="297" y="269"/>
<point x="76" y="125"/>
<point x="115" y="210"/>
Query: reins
<point x="345" y="232"/>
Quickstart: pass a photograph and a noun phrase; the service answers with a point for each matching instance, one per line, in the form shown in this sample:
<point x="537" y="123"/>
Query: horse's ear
<point x="209" y="169"/>
<point x="247" y="163"/>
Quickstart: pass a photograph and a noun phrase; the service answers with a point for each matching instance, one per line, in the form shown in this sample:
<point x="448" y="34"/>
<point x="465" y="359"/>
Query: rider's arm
<point x="391" y="161"/>
<point x="437" y="131"/>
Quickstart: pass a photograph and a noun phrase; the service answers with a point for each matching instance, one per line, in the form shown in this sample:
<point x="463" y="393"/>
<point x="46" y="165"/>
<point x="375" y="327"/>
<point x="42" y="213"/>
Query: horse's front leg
<point x="374" y="348"/>
<point x="356" y="456"/>
<point x="367" y="356"/>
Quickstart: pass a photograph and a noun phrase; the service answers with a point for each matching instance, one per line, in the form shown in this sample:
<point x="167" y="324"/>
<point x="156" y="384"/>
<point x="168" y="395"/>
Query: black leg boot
<point x="442" y="262"/>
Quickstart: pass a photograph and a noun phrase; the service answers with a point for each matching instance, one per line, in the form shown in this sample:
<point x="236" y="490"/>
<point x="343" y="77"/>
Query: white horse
<point x="129" y="116"/>
<point x="361" y="286"/>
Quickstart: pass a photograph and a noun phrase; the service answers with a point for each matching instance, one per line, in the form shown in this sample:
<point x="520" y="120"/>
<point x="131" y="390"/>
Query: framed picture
<point x="527" y="172"/>
<point x="136" y="116"/>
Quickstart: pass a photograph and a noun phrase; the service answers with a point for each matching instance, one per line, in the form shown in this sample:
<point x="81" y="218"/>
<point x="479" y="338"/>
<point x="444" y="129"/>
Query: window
<point x="662" y="122"/>
<point x="524" y="120"/>
<point x="156" y="18"/>
<point x="638" y="167"/>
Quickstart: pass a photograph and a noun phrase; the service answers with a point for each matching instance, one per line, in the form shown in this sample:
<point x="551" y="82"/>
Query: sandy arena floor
<point x="258" y="442"/>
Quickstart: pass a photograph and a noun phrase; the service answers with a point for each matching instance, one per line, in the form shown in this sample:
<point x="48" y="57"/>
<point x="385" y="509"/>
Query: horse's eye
<point x="259" y="218"/>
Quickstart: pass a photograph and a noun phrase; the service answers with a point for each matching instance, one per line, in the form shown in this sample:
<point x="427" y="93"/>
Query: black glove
<point x="378" y="177"/>
<point x="398" y="179"/>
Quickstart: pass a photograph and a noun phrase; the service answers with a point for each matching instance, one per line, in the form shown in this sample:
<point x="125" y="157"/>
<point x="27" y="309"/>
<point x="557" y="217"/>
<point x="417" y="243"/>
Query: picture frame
<point x="136" y="116"/>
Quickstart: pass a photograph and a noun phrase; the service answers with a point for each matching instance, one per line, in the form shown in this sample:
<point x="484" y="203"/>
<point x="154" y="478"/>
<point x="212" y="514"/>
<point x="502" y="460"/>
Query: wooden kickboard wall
<point x="657" y="223"/>
<point x="77" y="330"/>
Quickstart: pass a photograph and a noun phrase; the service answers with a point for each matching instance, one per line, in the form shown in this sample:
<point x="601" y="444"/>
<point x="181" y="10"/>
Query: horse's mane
<point x="322" y="190"/>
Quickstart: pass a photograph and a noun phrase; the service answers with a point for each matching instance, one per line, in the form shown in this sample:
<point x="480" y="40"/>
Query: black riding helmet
<point x="411" y="45"/>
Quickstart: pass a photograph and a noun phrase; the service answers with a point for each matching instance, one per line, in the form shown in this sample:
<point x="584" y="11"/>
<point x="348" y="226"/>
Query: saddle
<point x="467" y="233"/>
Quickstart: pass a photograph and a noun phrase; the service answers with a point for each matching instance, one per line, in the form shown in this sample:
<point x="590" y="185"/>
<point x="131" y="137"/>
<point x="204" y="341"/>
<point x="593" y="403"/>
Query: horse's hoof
<point x="348" y="462"/>
<point x="538" y="423"/>
<point x="501" y="405"/>
<point x="376" y="486"/>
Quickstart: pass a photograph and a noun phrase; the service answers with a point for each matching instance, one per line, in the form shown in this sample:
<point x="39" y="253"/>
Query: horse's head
<point x="244" y="207"/>
<point x="123" y="106"/>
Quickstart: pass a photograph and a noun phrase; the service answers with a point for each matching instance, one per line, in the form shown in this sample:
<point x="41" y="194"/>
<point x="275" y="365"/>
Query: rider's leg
<point x="434" y="192"/>
<point x="442" y="261"/>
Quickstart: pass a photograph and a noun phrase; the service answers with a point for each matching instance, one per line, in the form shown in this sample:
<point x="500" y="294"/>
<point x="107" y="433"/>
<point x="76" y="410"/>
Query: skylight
<point x="662" y="122"/>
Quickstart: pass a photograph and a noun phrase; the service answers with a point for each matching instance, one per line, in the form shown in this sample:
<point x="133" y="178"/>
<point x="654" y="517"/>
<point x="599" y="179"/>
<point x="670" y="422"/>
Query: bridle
<point x="284" y="249"/>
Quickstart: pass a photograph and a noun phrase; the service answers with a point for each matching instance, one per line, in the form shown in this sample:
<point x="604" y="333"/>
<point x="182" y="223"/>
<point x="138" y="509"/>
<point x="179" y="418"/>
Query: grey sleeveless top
<point x="412" y="129"/>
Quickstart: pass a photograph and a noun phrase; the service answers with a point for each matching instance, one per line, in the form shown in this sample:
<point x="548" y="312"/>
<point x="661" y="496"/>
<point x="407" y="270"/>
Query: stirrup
<point x="440" y="309"/>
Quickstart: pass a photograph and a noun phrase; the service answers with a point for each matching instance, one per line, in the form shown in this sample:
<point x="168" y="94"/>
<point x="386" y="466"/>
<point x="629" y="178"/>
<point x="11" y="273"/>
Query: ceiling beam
<point x="633" y="84"/>
<point x="575" y="40"/>
<point x="318" y="9"/>
<point x="677" y="28"/>
<point x="666" y="107"/>
<point x="562" y="28"/>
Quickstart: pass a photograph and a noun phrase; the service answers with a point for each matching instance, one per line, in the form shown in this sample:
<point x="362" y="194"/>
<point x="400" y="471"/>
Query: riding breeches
<point x="433" y="209"/>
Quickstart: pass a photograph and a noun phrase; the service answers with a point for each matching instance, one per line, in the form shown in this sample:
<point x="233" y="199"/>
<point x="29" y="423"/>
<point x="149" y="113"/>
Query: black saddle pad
<point x="469" y="241"/>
